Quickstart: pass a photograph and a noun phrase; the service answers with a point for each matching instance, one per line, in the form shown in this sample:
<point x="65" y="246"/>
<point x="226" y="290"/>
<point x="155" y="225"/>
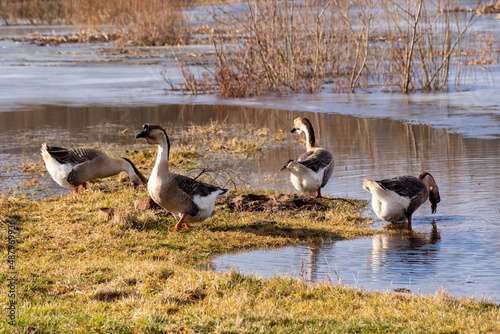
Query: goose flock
<point x="189" y="201"/>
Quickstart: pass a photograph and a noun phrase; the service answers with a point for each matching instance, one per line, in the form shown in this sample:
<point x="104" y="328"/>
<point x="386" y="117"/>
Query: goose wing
<point x="316" y="160"/>
<point x="74" y="156"/>
<point x="192" y="187"/>
<point x="407" y="186"/>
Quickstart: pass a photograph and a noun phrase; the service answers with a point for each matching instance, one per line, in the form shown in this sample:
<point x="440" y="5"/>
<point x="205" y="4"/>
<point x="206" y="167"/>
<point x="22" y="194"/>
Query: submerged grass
<point x="80" y="271"/>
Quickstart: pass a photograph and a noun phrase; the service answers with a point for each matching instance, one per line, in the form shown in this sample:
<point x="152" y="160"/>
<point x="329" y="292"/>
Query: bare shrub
<point x="424" y="39"/>
<point x="272" y="46"/>
<point x="155" y="23"/>
<point x="193" y="83"/>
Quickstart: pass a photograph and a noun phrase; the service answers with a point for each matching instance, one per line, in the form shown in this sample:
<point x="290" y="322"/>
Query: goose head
<point x="300" y="124"/>
<point x="303" y="125"/>
<point x="434" y="197"/>
<point x="154" y="134"/>
<point x="135" y="177"/>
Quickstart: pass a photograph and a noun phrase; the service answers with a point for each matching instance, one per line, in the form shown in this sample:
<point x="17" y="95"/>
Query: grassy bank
<point x="80" y="269"/>
<point x="81" y="272"/>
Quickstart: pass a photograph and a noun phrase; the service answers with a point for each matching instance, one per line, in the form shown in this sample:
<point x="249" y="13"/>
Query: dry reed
<point x="278" y="47"/>
<point x="273" y="46"/>
<point x="137" y="22"/>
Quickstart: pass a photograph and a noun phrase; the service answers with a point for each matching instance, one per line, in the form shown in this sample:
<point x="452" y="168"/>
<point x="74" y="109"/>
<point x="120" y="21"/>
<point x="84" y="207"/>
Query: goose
<point x="71" y="168"/>
<point x="396" y="199"/>
<point x="187" y="199"/>
<point x="313" y="169"/>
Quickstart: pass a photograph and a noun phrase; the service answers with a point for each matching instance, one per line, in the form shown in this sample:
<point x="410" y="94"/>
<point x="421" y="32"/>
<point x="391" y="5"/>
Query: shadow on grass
<point x="266" y="228"/>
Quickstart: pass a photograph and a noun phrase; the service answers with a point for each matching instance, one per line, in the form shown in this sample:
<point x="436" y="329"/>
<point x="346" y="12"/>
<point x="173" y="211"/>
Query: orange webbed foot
<point x="179" y="223"/>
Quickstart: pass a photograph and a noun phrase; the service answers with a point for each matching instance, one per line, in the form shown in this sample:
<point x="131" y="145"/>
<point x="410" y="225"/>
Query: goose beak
<point x="145" y="131"/>
<point x="286" y="166"/>
<point x="293" y="130"/>
<point x="433" y="207"/>
<point x="434" y="204"/>
<point x="143" y="134"/>
<point x="434" y="199"/>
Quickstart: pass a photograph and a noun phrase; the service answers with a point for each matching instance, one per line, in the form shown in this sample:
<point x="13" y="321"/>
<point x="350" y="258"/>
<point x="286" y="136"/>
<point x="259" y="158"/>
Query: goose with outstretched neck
<point x="187" y="199"/>
<point x="71" y="168"/>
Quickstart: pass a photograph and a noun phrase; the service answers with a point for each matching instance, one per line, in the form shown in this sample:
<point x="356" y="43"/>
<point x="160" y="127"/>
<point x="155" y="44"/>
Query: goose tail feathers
<point x="371" y="186"/>
<point x="222" y="192"/>
<point x="44" y="150"/>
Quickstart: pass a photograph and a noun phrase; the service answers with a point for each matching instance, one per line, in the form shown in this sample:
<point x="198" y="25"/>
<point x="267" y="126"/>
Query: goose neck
<point x="163" y="155"/>
<point x="310" y="138"/>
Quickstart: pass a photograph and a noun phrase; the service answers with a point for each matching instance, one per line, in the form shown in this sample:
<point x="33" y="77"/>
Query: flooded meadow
<point x="96" y="95"/>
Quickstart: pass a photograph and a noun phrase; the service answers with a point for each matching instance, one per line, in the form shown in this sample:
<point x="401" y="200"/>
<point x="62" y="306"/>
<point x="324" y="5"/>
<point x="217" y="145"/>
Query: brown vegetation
<point x="269" y="203"/>
<point x="137" y="22"/>
<point x="279" y="47"/>
<point x="83" y="36"/>
<point x="272" y="46"/>
<point x="489" y="8"/>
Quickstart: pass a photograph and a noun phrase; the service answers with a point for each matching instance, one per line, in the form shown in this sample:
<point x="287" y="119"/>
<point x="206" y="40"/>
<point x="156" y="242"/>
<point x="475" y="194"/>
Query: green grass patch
<point x="79" y="273"/>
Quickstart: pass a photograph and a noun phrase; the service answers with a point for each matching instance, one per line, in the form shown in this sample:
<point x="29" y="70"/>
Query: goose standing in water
<point x="71" y="168"/>
<point x="313" y="169"/>
<point x="396" y="199"/>
<point x="187" y="199"/>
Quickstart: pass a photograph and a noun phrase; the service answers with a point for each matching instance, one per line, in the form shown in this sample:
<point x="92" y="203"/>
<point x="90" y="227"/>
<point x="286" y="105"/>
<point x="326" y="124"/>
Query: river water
<point x="76" y="95"/>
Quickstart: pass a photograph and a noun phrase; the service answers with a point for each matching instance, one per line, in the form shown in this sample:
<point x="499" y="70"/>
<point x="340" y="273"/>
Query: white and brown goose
<point x="395" y="200"/>
<point x="187" y="199"/>
<point x="313" y="169"/>
<point x="71" y="168"/>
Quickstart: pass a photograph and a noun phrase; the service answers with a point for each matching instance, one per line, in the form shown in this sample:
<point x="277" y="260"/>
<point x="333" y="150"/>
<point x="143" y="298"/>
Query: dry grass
<point x="279" y="47"/>
<point x="79" y="273"/>
<point x="137" y="22"/>
<point x="82" y="36"/>
<point x="156" y="23"/>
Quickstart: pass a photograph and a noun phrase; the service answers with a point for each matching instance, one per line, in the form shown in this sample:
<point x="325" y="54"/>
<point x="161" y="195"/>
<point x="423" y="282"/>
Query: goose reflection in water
<point x="309" y="270"/>
<point x="405" y="249"/>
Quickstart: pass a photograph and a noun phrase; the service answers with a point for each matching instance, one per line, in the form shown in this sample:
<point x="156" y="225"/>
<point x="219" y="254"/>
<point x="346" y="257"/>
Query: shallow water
<point x="456" y="249"/>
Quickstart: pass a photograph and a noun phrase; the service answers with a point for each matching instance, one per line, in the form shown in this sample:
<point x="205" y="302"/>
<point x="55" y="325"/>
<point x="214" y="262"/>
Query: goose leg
<point x="84" y="185"/>
<point x="319" y="192"/>
<point x="179" y="223"/>
<point x="409" y="223"/>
